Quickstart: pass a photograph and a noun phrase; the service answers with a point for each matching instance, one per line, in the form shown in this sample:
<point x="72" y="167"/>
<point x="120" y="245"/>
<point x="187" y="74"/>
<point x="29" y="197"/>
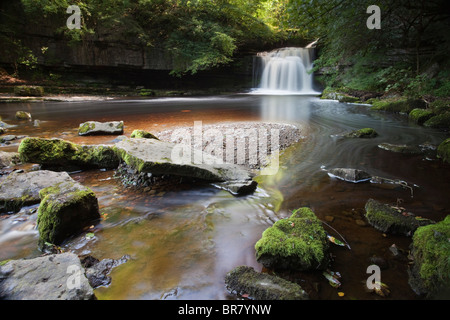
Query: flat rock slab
<point x="165" y="158"/>
<point x="22" y="189"/>
<point x="100" y="128"/>
<point x="245" y="280"/>
<point x="51" y="277"/>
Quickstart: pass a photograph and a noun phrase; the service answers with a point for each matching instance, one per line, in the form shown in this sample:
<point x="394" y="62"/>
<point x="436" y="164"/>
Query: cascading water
<point x="285" y="71"/>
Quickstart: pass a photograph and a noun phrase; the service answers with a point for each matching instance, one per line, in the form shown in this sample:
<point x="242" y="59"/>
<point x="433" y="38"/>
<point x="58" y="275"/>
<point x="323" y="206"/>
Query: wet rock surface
<point x="245" y="281"/>
<point x="51" y="277"/>
<point x="100" y="128"/>
<point x="97" y="271"/>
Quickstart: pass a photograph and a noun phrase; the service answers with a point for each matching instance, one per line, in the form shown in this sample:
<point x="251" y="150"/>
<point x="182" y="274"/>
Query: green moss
<point x="296" y="242"/>
<point x="443" y="150"/>
<point x="439" y="121"/>
<point x="86" y="127"/>
<point x="440" y="106"/>
<point x="23" y="115"/>
<point x="431" y="252"/>
<point x="397" y="105"/>
<point x="3" y="262"/>
<point x="142" y="134"/>
<point x="420" y="115"/>
<point x="362" y="133"/>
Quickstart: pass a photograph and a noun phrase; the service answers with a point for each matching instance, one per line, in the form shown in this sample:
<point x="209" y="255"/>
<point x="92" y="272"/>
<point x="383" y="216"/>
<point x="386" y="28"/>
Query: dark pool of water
<point x="183" y="241"/>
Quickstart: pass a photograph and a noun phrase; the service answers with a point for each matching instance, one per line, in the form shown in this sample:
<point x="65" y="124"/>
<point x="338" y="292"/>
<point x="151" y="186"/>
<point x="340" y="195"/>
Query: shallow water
<point x="183" y="241"/>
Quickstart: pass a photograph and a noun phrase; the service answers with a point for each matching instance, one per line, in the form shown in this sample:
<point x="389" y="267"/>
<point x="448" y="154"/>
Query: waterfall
<point x="285" y="71"/>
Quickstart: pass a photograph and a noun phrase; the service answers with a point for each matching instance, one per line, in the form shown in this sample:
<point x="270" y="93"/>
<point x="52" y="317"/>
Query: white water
<point x="286" y="71"/>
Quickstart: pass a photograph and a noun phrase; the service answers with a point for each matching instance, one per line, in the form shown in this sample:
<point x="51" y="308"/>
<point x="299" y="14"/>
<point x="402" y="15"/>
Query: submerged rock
<point x="65" y="209"/>
<point x="245" y="280"/>
<point x="400" y="148"/>
<point x="100" y="128"/>
<point x="430" y="249"/>
<point x="298" y="243"/>
<point x="349" y="174"/>
<point x="161" y="158"/>
<point x="388" y="219"/>
<point x="51" y="277"/>
<point x="362" y="133"/>
<point x="58" y="153"/>
<point x="22" y="189"/>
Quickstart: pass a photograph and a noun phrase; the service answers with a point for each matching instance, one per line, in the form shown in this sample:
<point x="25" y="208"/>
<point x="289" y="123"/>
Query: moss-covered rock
<point x="100" y="128"/>
<point x="65" y="154"/>
<point x="430" y="249"/>
<point x="23" y="115"/>
<point x="420" y="115"/>
<point x="142" y="134"/>
<point x="347" y="98"/>
<point x="262" y="286"/>
<point x="398" y="105"/>
<point x="440" y="106"/>
<point x="65" y="209"/>
<point x="26" y="91"/>
<point x="443" y="151"/>
<point x="298" y="242"/>
<point x="388" y="219"/>
<point x="362" y="133"/>
<point x="400" y="148"/>
<point x="441" y="121"/>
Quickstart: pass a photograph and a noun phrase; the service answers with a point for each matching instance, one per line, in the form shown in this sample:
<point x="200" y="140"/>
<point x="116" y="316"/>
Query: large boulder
<point x="430" y="249"/>
<point x="51" y="277"/>
<point x="245" y="280"/>
<point x="58" y="153"/>
<point x="161" y="158"/>
<point x="388" y="219"/>
<point x="65" y="209"/>
<point x="298" y="243"/>
<point x="22" y="189"/>
<point x="100" y="128"/>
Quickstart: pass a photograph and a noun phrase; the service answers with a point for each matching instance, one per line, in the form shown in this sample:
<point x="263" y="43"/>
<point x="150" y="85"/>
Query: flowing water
<point x="183" y="241"/>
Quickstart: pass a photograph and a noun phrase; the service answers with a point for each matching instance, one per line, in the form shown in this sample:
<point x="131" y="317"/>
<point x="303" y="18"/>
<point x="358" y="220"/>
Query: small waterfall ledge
<point x="284" y="71"/>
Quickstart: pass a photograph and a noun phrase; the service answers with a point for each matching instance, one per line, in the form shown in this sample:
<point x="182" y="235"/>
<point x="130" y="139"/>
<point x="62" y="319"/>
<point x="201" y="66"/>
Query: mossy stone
<point x="430" y="248"/>
<point x="298" y="242"/>
<point x="362" y="133"/>
<point x="420" y="115"/>
<point x="443" y="151"/>
<point x="25" y="91"/>
<point x="23" y="115"/>
<point x="441" y="121"/>
<point x="142" y="134"/>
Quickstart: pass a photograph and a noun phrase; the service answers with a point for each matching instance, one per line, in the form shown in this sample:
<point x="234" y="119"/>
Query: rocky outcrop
<point x="61" y="154"/>
<point x="51" y="277"/>
<point x="430" y="250"/>
<point x="392" y="220"/>
<point x="65" y="209"/>
<point x="100" y="128"/>
<point x="22" y="189"/>
<point x="297" y="243"/>
<point x="246" y="281"/>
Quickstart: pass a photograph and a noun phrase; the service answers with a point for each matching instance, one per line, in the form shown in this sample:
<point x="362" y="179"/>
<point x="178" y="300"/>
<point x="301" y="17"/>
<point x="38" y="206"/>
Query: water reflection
<point x="288" y="108"/>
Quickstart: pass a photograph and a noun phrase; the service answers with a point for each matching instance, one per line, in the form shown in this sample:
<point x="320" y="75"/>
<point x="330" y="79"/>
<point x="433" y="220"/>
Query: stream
<point x="182" y="242"/>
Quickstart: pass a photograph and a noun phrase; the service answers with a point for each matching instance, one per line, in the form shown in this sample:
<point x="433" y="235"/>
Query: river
<point x="183" y="241"/>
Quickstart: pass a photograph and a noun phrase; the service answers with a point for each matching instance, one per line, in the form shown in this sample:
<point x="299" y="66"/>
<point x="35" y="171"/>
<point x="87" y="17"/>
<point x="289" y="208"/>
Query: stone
<point x="100" y="128"/>
<point x="349" y="174"/>
<point x="142" y="134"/>
<point x="419" y="116"/>
<point x="97" y="271"/>
<point x="22" y="189"/>
<point x="62" y="154"/>
<point x="430" y="249"/>
<point x="388" y="219"/>
<point x="25" y="91"/>
<point x="65" y="209"/>
<point x="161" y="158"/>
<point x="245" y="280"/>
<point x="443" y="151"/>
<point x="362" y="133"/>
<point x="8" y="159"/>
<point x="23" y="115"/>
<point x="296" y="243"/>
<point x="51" y="277"/>
<point x="400" y="148"/>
